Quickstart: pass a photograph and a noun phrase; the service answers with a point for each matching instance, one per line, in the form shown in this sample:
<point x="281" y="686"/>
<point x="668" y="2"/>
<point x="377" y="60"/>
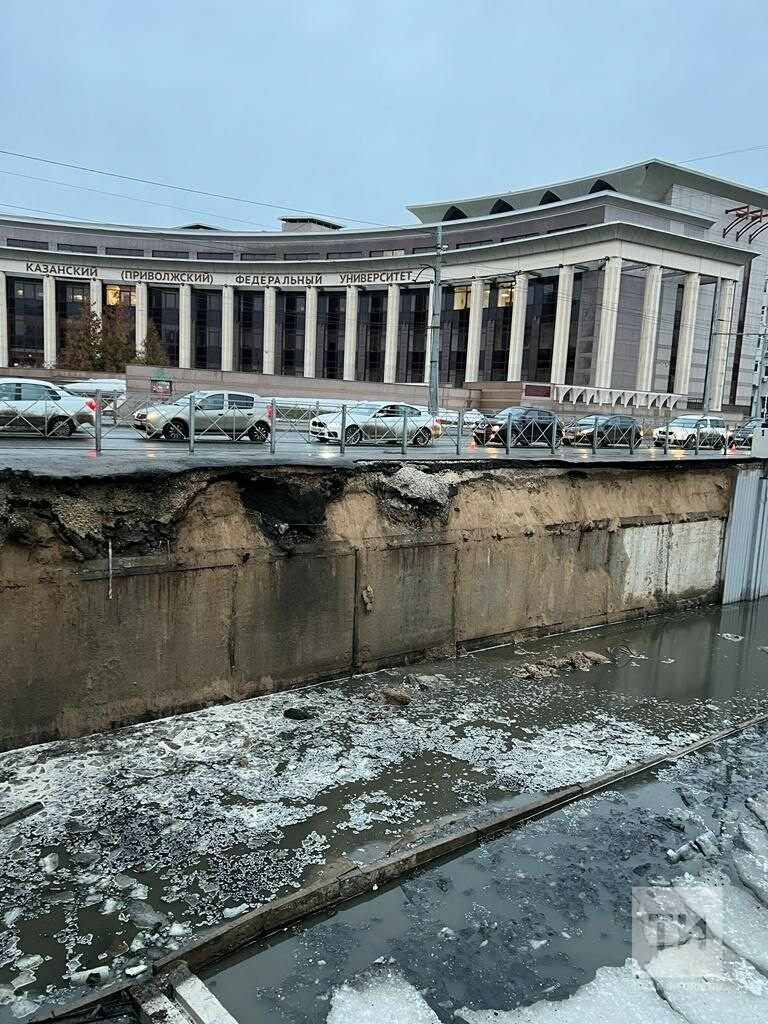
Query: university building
<point x="639" y="287"/>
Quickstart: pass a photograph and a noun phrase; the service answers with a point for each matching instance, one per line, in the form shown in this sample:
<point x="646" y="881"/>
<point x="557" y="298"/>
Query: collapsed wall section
<point x="141" y="596"/>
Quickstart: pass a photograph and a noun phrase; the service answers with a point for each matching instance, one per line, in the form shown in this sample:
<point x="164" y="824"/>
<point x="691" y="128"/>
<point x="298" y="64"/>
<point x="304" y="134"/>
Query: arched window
<point x="549" y="197"/>
<point x="601" y="186"/>
<point x="501" y="206"/>
<point x="454" y="213"/>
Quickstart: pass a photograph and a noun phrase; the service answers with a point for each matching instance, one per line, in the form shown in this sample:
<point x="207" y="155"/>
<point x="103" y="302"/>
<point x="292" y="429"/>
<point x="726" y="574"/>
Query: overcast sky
<point x="353" y="109"/>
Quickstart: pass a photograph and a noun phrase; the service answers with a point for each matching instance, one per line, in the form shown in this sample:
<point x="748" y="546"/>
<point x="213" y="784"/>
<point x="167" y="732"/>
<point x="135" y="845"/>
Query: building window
<point x="249" y="331"/>
<point x="25" y="322"/>
<point x="388" y="252"/>
<point x="371" y="335"/>
<point x="516" y="238"/>
<point x="504" y="293"/>
<point x="454" y="335"/>
<point x="215" y="256"/>
<point x="471" y="245"/>
<point x="331" y="311"/>
<point x="348" y="254"/>
<point x="412" y="335"/>
<point x="120" y="295"/>
<point x="462" y="296"/>
<point x="539" y="334"/>
<point x="26" y="243"/>
<point x="170" y="254"/>
<point x="299" y="256"/>
<point x="258" y="256"/>
<point x="423" y="248"/>
<point x="163" y="311"/>
<point x="206" y="329"/>
<point x="289" y="333"/>
<point x="70" y="299"/>
<point x="495" y="331"/>
<point x="120" y="251"/>
<point x="75" y="247"/>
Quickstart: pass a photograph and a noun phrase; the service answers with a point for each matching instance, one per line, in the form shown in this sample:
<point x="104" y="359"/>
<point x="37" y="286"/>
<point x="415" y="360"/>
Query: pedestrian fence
<point x="117" y="422"/>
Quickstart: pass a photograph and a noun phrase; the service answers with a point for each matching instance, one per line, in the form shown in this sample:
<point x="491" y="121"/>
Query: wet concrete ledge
<point x="324" y="895"/>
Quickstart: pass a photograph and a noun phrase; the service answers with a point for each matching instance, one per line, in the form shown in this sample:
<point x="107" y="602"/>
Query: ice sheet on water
<point x="754" y="838"/>
<point x="385" y="998"/>
<point x="753" y="871"/>
<point x="616" y="993"/>
<point x="708" y="984"/>
<point x="732" y="914"/>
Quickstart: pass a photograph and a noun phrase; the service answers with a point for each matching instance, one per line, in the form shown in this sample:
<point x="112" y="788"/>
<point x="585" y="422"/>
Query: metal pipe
<point x="434" y="329"/>
<point x="343" y="438"/>
<point x="404" y="439"/>
<point x="666" y="436"/>
<point x="191" y="441"/>
<point x="508" y="439"/>
<point x="459" y="431"/>
<point x="98" y="422"/>
<point x="272" y="425"/>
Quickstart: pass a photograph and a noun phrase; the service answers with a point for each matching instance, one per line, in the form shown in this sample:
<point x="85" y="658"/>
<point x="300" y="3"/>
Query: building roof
<point x="650" y="180"/>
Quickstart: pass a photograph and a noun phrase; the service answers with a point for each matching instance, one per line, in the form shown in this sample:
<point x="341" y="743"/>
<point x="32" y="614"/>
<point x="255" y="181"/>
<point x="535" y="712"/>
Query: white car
<point x="712" y="432"/>
<point x="233" y="415"/>
<point x="381" y="422"/>
<point x="449" y="418"/>
<point x="30" y="406"/>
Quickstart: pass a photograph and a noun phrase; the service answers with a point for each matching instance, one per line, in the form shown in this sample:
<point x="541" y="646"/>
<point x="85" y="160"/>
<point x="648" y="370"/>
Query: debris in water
<point x="733" y="637"/>
<point x="390" y="695"/>
<point x="299" y="714"/>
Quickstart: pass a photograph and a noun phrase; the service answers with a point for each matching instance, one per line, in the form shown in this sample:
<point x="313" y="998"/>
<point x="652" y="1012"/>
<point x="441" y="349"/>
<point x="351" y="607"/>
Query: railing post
<point x="632" y="440"/>
<point x="343" y="433"/>
<point x="666" y="436"/>
<point x="553" y="436"/>
<point x="459" y="431"/>
<point x="508" y="439"/>
<point x="272" y="424"/>
<point x="594" y="437"/>
<point x="192" y="423"/>
<point x="404" y="440"/>
<point x="698" y="439"/>
<point x="98" y="422"/>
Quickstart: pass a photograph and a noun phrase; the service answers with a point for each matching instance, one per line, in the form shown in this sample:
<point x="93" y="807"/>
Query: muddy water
<point x="163" y="829"/>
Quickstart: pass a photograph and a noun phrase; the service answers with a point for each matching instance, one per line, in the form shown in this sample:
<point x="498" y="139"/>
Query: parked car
<point x="448" y="419"/>
<point x="604" y="430"/>
<point x="682" y="431"/>
<point x="381" y="422"/>
<point x="231" y="414"/>
<point x="527" y="426"/>
<point x="111" y="391"/>
<point x="39" y="407"/>
<point x="741" y="436"/>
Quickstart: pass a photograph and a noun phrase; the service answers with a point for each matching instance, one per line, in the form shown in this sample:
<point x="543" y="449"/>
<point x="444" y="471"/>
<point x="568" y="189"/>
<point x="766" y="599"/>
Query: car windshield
<point x="685" y="421"/>
<point x="513" y="411"/>
<point x="588" y="421"/>
<point x="365" y="409"/>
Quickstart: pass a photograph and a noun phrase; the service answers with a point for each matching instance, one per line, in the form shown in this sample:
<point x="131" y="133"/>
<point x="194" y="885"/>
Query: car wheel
<point x="176" y="430"/>
<point x="353" y="435"/>
<point x="60" y="426"/>
<point x="422" y="437"/>
<point x="259" y="433"/>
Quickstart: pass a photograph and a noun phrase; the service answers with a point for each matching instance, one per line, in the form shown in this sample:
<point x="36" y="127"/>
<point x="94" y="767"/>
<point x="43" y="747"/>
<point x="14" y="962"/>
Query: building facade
<point x="640" y="286"/>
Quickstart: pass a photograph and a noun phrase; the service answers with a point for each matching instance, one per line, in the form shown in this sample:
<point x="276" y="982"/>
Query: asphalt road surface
<point x="124" y="450"/>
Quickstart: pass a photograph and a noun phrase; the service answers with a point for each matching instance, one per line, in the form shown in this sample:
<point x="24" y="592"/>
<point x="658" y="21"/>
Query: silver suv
<point x="39" y="407"/>
<point x="234" y="415"/>
<point x="682" y="431"/>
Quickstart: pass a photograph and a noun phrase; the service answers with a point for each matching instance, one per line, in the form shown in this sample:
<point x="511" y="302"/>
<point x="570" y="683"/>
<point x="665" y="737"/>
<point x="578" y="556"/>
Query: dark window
<point x="75" y="247"/>
<point x="423" y="248"/>
<point x="289" y="334"/>
<point x="371" y="335"/>
<point x="454" y="213"/>
<point x="112" y="250"/>
<point x="495" y="333"/>
<point x="329" y="356"/>
<point x="412" y="335"/>
<point x="387" y="252"/>
<point x="501" y="206"/>
<point x="163" y="309"/>
<point x="469" y="245"/>
<point x="170" y="254"/>
<point x="241" y="401"/>
<point x="740" y="321"/>
<point x="70" y="300"/>
<point x="206" y="329"/>
<point x="215" y="256"/>
<point x="249" y="331"/>
<point x="301" y="256"/>
<point x="345" y="254"/>
<point x="258" y="255"/>
<point x="516" y="238"/>
<point x="539" y="334"/>
<point x="26" y="243"/>
<point x="565" y="227"/>
<point x="25" y="322"/>
<point x="454" y="333"/>
<point x="675" y="338"/>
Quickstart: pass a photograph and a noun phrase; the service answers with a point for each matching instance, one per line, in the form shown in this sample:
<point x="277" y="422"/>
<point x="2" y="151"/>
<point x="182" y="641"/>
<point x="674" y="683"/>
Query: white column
<point x="49" y="321"/>
<point x="517" y="327"/>
<point x="649" y="327"/>
<point x="685" y="336"/>
<point x="350" y="332"/>
<point x="310" y="332"/>
<point x="97" y="300"/>
<point x="185" y="326"/>
<point x="227" y="327"/>
<point x="609" y="312"/>
<point x="562" y="325"/>
<point x="428" y="342"/>
<point x="3" y="321"/>
<point x="721" y="332"/>
<point x="270" y="313"/>
<point x="475" y="329"/>
<point x="142" y="300"/>
<point x="392" y="331"/>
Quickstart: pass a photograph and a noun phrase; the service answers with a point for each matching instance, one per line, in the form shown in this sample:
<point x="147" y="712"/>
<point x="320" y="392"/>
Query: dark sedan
<point x="525" y="426"/>
<point x="602" y="431"/>
<point x="741" y="437"/>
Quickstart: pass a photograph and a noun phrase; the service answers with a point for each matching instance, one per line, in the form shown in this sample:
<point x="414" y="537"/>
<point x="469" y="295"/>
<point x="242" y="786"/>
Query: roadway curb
<point x="324" y="895"/>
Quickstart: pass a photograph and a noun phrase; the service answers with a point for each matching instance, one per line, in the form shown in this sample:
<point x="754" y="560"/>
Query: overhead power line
<point x="183" y="188"/>
<point x="728" y="152"/>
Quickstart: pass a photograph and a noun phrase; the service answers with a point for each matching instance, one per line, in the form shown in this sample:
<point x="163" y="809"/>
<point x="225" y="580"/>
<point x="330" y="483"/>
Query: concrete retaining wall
<point x="229" y="583"/>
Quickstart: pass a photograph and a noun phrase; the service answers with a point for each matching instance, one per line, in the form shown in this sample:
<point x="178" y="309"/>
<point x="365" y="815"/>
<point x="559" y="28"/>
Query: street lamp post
<point x="434" y="328"/>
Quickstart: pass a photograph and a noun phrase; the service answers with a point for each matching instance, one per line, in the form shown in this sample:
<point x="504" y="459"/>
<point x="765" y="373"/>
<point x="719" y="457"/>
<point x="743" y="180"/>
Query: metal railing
<point x="210" y="421"/>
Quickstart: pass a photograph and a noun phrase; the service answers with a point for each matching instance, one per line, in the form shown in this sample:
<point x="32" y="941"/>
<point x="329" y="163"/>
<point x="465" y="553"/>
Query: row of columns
<point x="603" y="360"/>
